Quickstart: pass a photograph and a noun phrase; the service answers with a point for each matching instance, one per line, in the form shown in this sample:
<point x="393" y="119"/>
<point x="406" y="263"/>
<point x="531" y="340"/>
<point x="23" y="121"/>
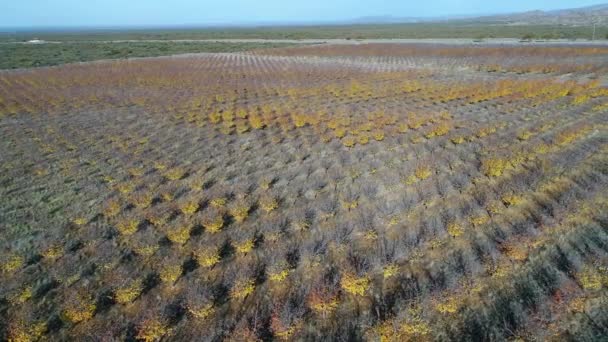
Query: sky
<point x="107" y="13"/>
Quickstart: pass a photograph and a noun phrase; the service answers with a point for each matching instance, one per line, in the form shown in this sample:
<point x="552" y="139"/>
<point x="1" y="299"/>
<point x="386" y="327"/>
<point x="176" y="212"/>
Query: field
<point x="19" y="55"/>
<point x="451" y="29"/>
<point x="380" y="192"/>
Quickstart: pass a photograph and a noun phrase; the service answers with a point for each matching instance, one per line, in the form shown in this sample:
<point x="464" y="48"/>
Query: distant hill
<point x="573" y="16"/>
<point x="404" y="20"/>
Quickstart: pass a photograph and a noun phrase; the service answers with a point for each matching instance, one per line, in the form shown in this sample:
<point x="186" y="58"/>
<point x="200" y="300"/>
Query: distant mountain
<point x="386" y="19"/>
<point x="573" y="16"/>
<point x="400" y="20"/>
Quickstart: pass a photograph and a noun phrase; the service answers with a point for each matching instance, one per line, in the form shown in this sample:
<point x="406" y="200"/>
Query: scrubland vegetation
<point x="370" y="192"/>
<point x="18" y="55"/>
<point x="467" y="29"/>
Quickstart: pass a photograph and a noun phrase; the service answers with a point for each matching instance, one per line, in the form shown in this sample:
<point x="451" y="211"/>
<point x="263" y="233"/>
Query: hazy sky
<point x="25" y="13"/>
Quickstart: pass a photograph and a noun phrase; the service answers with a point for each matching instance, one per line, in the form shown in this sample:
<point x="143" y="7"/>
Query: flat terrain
<point x="27" y="55"/>
<point x="394" y="192"/>
<point x="465" y="29"/>
<point x="49" y="53"/>
<point x="334" y="41"/>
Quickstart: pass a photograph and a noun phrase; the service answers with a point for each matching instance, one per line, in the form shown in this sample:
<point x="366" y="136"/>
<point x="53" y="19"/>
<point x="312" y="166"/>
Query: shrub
<point x="580" y="99"/>
<point x="415" y="330"/>
<point x="457" y="140"/>
<point x="322" y="303"/>
<point x="438" y="130"/>
<point x="112" y="208"/>
<point x="480" y="219"/>
<point x="169" y="273"/>
<point x="215" y="118"/>
<point x="516" y="252"/>
<point x="195" y="182"/>
<point x="241" y="113"/>
<point x="590" y="279"/>
<point x="174" y="174"/>
<point x="370" y="235"/>
<point x="127" y="225"/>
<point x="242" y="128"/>
<point x="282" y="332"/>
<point x="354" y="285"/>
<point x="494" y="167"/>
<point x="542" y="148"/>
<point x="213" y="222"/>
<point x="423" y="172"/>
<point x="227" y="116"/>
<point x="129" y="293"/>
<point x="19" y="331"/>
<point x="179" y="235"/>
<point x="299" y="120"/>
<point x="78" y="307"/>
<point x="485" y="131"/>
<point x="524" y="135"/>
<point x="577" y="305"/>
<point x="125" y="188"/>
<point x="495" y="207"/>
<point x="265" y="183"/>
<point x="570" y="135"/>
<point x="333" y="123"/>
<point x="349" y="141"/>
<point x="242" y="332"/>
<point x="528" y="37"/>
<point x="207" y="257"/>
<point x="511" y="199"/>
<point x="240" y="211"/>
<point x="80" y="221"/>
<point x="157" y="217"/>
<point x="268" y="203"/>
<point x="379" y="135"/>
<point x="350" y="203"/>
<point x="218" y="202"/>
<point x="136" y="171"/>
<point x="21" y="296"/>
<point x="340" y="133"/>
<point x="245" y="246"/>
<point x="411" y="179"/>
<point x="226" y="130"/>
<point x="200" y="311"/>
<point x="363" y="139"/>
<point x="144" y="249"/>
<point x="53" y="252"/>
<point x="390" y="271"/>
<point x="455" y="229"/>
<point x="278" y="275"/>
<point x="189" y="206"/>
<point x="141" y="199"/>
<point x="256" y="122"/>
<point x="448" y="306"/>
<point x="168" y="194"/>
<point x="160" y="165"/>
<point x="242" y="288"/>
<point x="152" y="329"/>
<point x="11" y="262"/>
<point x="415" y="122"/>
